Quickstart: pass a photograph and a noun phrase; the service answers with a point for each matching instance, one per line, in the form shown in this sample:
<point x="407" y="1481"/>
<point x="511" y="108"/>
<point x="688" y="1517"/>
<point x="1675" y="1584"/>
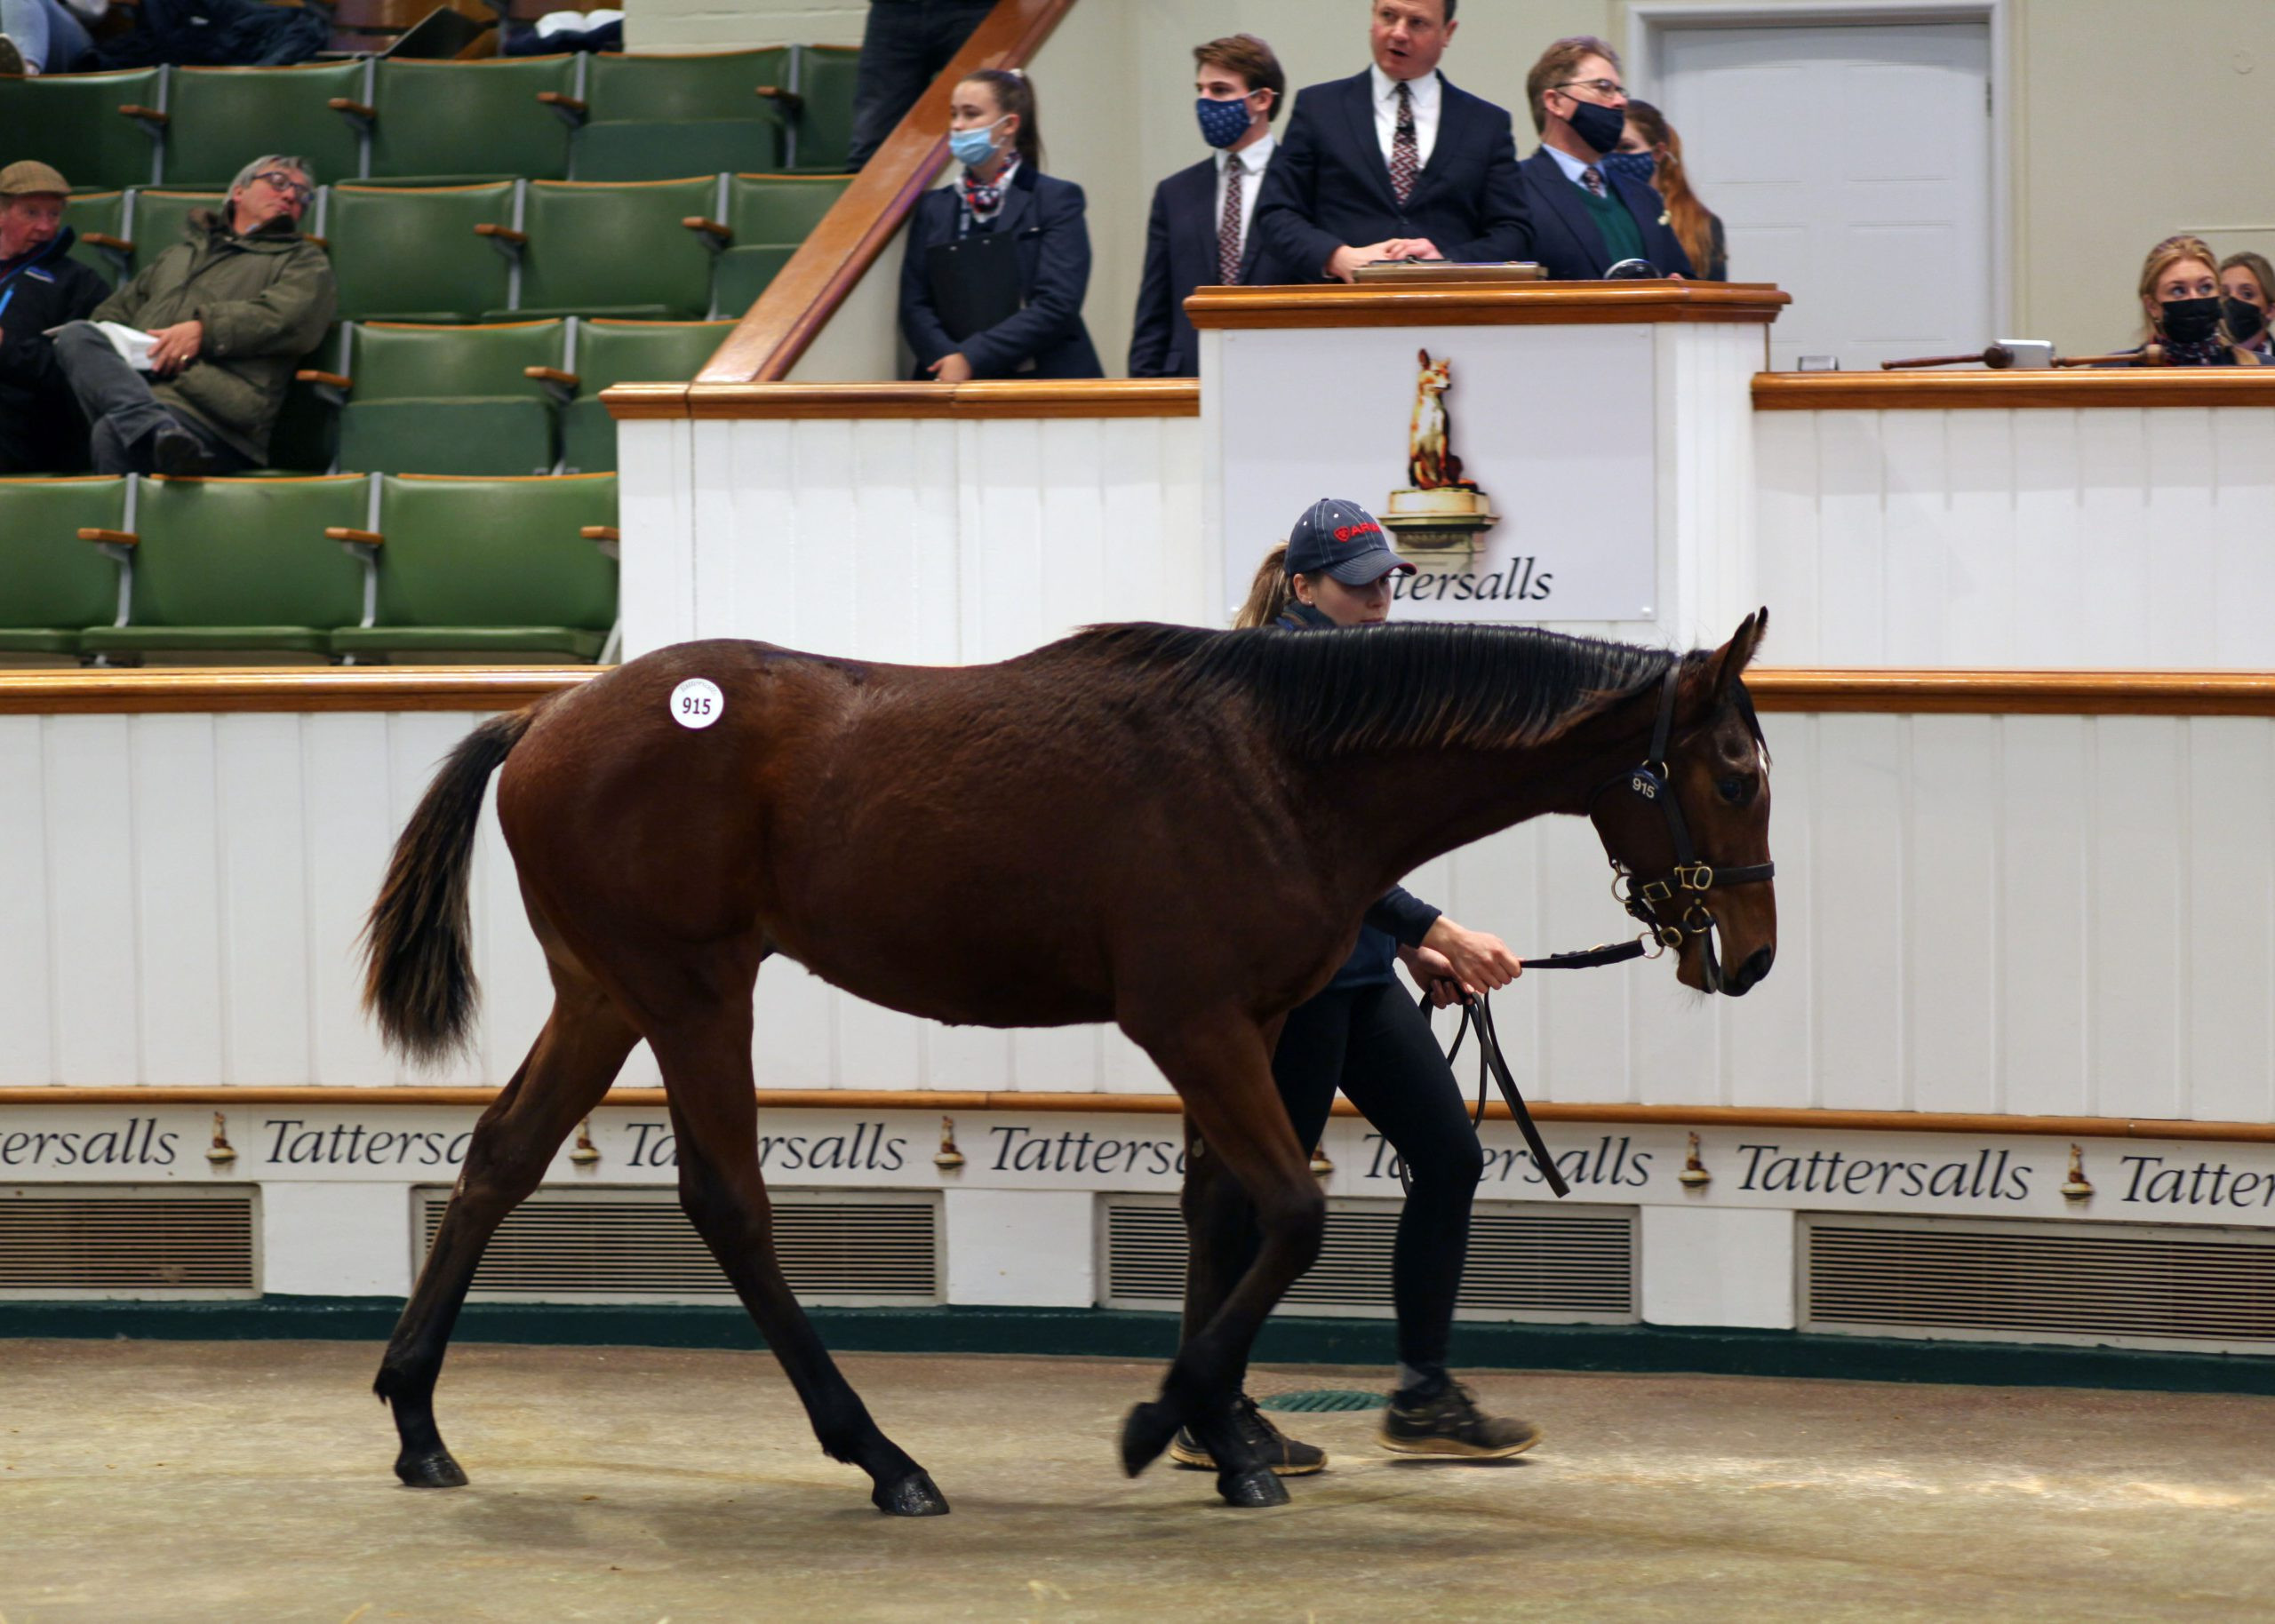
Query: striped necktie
<point x="1592" y="178"/>
<point x="1228" y="228"/>
<point x="1405" y="152"/>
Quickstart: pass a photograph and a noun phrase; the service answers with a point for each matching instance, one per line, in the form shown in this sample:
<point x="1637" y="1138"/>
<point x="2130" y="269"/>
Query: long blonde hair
<point x="1686" y="217"/>
<point x="1269" y="594"/>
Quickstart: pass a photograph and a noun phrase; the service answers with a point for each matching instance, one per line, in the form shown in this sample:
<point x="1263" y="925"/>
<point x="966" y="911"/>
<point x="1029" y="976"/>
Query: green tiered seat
<point x="611" y="353"/>
<point x="491" y="566"/>
<point x="644" y="151"/>
<point x="443" y="121"/>
<point x="225" y="566"/>
<point x="54" y="584"/>
<point x="824" y="118"/>
<point x="769" y="215"/>
<point x="451" y="400"/>
<point x="620" y="248"/>
<point x="306" y="438"/>
<point x="105" y="244"/>
<point x="80" y="124"/>
<point x="417" y="253"/>
<point x="160" y="217"/>
<point x="220" y="119"/>
<point x="653" y="88"/>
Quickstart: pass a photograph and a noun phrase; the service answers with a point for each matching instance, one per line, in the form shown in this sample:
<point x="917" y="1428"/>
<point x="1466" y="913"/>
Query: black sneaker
<point x="12" y="59"/>
<point x="1284" y="1455"/>
<point x="1449" y="1423"/>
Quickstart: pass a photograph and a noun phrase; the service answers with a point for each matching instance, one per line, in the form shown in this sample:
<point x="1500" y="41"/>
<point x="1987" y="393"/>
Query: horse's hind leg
<point x="567" y="1072"/>
<point x="715" y="1113"/>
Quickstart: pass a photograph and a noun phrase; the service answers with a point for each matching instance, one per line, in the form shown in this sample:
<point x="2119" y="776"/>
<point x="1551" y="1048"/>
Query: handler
<point x="1363" y="1033"/>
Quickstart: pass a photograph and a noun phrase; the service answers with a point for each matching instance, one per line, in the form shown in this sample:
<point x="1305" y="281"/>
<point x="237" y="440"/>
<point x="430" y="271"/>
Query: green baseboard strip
<point x="1118" y="1333"/>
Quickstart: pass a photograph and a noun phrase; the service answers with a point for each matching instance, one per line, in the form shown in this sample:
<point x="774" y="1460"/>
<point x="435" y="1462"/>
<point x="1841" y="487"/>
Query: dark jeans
<point x="124" y="418"/>
<point x="906" y="45"/>
<point x="1373" y="1043"/>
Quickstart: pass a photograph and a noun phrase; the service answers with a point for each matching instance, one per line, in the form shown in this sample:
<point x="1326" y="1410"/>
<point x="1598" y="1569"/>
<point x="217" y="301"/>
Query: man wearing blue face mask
<point x="1199" y="235"/>
<point x="1586" y="215"/>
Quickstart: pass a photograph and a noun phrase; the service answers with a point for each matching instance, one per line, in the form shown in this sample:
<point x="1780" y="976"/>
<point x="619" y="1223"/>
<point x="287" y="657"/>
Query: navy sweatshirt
<point x="1400" y="918"/>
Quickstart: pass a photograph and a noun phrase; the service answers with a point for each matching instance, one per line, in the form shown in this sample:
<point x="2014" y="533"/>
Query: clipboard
<point x="975" y="282"/>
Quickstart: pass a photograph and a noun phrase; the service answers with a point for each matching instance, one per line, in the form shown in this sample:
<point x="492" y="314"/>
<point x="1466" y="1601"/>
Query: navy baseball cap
<point x="1342" y="540"/>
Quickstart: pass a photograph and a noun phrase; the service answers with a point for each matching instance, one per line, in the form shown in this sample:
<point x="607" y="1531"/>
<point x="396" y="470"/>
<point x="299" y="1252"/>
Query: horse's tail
<point x="419" y="968"/>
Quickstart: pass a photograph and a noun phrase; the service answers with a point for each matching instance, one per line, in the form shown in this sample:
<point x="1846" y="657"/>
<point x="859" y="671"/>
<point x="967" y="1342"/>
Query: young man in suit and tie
<point x="1201" y="233"/>
<point x="1394" y="163"/>
<point x="1585" y="218"/>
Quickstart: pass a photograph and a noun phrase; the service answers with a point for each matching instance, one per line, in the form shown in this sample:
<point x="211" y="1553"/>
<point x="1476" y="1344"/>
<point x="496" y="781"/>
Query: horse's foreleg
<point x="707" y="1070"/>
<point x="1222" y="1072"/>
<point x="566" y="1073"/>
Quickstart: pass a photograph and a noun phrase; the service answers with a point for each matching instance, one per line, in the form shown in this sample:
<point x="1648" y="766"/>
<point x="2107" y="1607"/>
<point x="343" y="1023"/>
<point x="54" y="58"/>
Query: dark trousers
<point x="1373" y="1043"/>
<point x="906" y="45"/>
<point x="124" y="418"/>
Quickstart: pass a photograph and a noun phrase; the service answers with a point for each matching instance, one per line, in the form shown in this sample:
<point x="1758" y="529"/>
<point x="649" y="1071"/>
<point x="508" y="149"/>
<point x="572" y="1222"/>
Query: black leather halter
<point x="1691" y="879"/>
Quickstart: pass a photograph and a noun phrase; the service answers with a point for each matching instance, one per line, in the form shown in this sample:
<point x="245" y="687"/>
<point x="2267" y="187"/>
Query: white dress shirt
<point x="1426" y="97"/>
<point x="1574" y="168"/>
<point x="1251" y="160"/>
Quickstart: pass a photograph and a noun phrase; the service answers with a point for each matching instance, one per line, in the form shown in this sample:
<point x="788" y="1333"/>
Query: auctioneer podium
<point x="1577" y="454"/>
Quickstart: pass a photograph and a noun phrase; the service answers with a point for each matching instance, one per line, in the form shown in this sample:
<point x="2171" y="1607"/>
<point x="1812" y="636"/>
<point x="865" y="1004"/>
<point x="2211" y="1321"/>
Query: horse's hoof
<point x="1253" y="1489"/>
<point x="1144" y="1434"/>
<point x="915" y="1495"/>
<point x="434" y="1469"/>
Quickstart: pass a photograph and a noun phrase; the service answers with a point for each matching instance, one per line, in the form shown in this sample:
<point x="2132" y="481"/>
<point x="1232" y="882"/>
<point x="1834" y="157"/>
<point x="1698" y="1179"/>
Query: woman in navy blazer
<point x="1003" y="189"/>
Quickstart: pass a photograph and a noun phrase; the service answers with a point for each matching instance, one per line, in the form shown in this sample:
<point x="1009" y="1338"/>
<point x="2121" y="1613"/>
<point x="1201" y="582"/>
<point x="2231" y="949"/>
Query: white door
<point x="1852" y="167"/>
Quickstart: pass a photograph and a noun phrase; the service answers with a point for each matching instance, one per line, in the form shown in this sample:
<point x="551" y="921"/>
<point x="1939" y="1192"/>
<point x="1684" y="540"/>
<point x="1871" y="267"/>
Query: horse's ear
<point x="1425" y="355"/>
<point x="1737" y="654"/>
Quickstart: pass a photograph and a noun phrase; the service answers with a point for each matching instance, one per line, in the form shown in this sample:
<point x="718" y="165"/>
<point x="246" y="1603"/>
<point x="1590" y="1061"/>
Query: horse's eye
<point x="1734" y="790"/>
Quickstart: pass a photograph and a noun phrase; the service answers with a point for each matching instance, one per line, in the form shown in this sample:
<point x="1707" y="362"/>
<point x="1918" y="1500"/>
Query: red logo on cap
<point x="1346" y="532"/>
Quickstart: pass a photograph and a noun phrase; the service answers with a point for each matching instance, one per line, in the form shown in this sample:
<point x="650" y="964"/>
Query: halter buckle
<point x="1697" y="877"/>
<point x="1653" y="891"/>
<point x="1667" y="936"/>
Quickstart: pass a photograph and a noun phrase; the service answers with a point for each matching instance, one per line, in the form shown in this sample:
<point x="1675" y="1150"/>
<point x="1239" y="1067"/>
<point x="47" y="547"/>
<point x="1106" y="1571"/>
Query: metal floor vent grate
<point x="609" y="1246"/>
<point x="2165" y="1286"/>
<point x="1525" y="1261"/>
<point x="129" y="1242"/>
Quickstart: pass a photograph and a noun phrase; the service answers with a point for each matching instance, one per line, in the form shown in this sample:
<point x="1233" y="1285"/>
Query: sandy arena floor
<point x="161" y="1481"/>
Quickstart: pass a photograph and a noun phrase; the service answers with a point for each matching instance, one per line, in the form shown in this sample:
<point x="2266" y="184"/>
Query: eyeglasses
<point x="280" y="180"/>
<point x="1602" y="87"/>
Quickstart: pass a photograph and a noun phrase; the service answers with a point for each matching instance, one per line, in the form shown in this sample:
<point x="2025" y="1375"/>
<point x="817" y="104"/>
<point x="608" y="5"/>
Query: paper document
<point x="131" y="343"/>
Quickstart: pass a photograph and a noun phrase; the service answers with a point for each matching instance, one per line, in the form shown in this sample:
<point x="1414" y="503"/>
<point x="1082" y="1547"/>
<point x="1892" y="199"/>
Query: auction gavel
<point x="1998" y="357"/>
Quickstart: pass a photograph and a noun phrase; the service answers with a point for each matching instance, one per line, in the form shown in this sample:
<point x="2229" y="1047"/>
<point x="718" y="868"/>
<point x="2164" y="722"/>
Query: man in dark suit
<point x="1200" y="235"/>
<point x="1395" y="162"/>
<point x="1585" y="218"/>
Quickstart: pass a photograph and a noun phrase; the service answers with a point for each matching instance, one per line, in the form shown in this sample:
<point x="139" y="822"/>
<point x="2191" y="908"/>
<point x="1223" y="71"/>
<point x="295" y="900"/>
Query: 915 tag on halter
<point x="697" y="702"/>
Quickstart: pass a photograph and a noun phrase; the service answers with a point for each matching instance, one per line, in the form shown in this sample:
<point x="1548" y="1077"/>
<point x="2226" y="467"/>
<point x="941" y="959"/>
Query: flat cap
<point x="29" y="175"/>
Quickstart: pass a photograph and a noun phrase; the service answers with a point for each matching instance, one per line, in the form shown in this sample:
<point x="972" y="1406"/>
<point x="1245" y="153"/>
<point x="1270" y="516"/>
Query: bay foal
<point x="1173" y="830"/>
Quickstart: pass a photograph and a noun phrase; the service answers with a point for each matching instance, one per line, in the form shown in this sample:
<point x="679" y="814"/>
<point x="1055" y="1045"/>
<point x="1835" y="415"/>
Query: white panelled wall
<point x="2030" y="914"/>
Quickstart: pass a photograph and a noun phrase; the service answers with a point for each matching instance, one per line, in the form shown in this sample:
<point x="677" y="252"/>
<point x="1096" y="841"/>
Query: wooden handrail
<point x="804" y="294"/>
<point x="1487" y="304"/>
<point x="2123" y="387"/>
<point x="952" y="1101"/>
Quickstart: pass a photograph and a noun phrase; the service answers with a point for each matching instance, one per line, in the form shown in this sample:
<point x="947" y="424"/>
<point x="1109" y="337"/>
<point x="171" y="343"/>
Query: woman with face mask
<point x="2248" y="297"/>
<point x="1362" y="1033"/>
<point x="1651" y="152"/>
<point x="1033" y="294"/>
<point x="2180" y="296"/>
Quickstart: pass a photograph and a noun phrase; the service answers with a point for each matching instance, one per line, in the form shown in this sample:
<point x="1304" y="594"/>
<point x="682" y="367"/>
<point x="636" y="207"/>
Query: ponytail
<point x="1269" y="593"/>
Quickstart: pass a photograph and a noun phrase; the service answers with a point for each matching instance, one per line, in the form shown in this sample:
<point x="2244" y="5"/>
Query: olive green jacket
<point x="264" y="299"/>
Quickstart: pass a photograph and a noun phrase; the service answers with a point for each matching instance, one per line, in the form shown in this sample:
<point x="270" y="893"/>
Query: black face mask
<point x="2191" y="321"/>
<point x="1598" y="126"/>
<point x="2246" y="320"/>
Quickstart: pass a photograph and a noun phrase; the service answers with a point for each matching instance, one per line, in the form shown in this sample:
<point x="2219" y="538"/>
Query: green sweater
<point x="1623" y="239"/>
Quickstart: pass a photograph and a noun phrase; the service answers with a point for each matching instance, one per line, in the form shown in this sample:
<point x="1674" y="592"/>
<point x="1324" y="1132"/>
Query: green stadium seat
<point x="161" y="216"/>
<point x="611" y="353"/>
<point x="416" y="254"/>
<point x="52" y="585"/>
<point x="442" y="122"/>
<point x="451" y="399"/>
<point x="105" y="245"/>
<point x="628" y="247"/>
<point x="306" y="438"/>
<point x="824" y="123"/>
<point x="490" y="566"/>
<point x="769" y="215"/>
<point x="220" y="119"/>
<point x="79" y="123"/>
<point x="659" y="151"/>
<point x="240" y="566"/>
<point x="654" y="88"/>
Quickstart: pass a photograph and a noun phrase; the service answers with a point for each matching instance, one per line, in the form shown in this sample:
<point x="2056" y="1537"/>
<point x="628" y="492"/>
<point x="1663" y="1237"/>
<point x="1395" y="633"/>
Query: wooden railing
<point x="836" y="255"/>
<point x="1985" y="391"/>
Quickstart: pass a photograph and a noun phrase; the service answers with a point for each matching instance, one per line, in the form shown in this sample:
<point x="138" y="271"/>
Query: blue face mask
<point x="1637" y="166"/>
<point x="973" y="147"/>
<point x="1222" y="123"/>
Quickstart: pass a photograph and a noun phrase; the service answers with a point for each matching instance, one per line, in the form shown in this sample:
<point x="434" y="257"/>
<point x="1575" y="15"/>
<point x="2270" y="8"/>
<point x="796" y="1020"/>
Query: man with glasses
<point x="1585" y="218"/>
<point x="230" y="310"/>
<point x="1394" y="162"/>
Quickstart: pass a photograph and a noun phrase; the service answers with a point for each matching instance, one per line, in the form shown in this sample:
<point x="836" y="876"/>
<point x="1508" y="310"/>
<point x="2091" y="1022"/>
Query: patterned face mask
<point x="1222" y="123"/>
<point x="1636" y="166"/>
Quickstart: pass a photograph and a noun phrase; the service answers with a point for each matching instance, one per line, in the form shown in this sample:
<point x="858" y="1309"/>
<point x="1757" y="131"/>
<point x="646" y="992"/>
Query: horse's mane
<point x="1330" y="692"/>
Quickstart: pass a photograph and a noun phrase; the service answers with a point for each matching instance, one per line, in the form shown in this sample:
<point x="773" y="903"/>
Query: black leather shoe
<point x="178" y="454"/>
<point x="1449" y="1423"/>
<point x="1284" y="1455"/>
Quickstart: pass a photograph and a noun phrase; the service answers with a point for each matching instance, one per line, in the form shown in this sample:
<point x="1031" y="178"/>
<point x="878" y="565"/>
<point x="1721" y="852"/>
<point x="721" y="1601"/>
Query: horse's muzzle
<point x="1739" y="982"/>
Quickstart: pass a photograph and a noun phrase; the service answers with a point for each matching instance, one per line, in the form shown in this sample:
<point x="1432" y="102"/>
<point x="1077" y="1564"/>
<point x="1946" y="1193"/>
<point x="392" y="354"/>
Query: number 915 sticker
<point x="697" y="702"/>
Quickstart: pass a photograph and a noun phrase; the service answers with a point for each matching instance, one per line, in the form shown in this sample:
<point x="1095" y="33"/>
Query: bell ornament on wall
<point x="1320" y="1165"/>
<point x="585" y="1153"/>
<point x="220" y="1152"/>
<point x="1693" y="1174"/>
<point x="948" y="1159"/>
<point x="2074" y="1186"/>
